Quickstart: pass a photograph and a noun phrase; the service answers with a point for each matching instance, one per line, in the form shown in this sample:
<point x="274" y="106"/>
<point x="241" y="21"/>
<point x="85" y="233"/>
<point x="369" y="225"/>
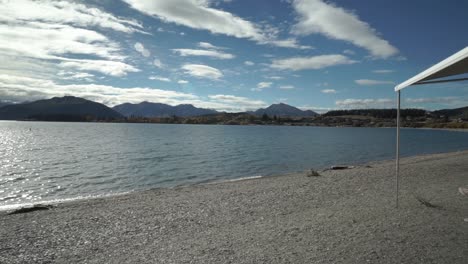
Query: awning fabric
<point x="453" y="65"/>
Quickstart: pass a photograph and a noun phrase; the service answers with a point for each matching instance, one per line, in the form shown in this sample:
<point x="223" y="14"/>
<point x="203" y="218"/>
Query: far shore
<point x="298" y="125"/>
<point x="341" y="216"/>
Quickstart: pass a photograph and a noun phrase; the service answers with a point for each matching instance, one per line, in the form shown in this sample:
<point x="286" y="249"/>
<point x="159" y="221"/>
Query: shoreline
<point x="268" y="125"/>
<point x="341" y="216"/>
<point x="64" y="201"/>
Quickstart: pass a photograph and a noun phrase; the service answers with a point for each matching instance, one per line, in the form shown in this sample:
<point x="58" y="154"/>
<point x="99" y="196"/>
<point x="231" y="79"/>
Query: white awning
<point x="453" y="65"/>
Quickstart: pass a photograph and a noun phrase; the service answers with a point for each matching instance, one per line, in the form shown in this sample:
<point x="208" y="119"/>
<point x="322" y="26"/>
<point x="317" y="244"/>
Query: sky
<point x="231" y="55"/>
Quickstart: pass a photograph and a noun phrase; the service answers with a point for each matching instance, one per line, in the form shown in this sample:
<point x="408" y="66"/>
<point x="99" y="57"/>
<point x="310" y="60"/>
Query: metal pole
<point x="398" y="150"/>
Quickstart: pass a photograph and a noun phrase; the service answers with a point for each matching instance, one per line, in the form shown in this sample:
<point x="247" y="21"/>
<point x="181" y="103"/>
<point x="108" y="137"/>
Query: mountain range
<point x="147" y="109"/>
<point x="68" y="108"/>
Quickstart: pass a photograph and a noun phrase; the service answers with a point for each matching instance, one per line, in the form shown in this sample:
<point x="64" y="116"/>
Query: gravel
<point x="341" y="216"/>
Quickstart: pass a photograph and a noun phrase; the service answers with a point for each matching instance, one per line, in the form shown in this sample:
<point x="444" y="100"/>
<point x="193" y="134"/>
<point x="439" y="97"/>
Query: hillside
<point x="453" y="113"/>
<point x="283" y="110"/>
<point x="3" y="103"/>
<point x="66" y="108"/>
<point x="148" y="109"/>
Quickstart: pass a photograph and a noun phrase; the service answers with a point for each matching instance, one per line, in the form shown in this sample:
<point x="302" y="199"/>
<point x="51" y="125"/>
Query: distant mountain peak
<point x="149" y="109"/>
<point x="282" y="109"/>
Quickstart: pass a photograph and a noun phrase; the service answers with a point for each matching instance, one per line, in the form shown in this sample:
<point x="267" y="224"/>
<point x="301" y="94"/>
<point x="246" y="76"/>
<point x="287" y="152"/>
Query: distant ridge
<point x="461" y="112"/>
<point x="67" y="108"/>
<point x="284" y="110"/>
<point x="148" y="109"/>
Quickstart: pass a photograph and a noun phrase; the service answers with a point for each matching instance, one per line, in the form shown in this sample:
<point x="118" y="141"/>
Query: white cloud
<point x="317" y="109"/>
<point x="202" y="71"/>
<point x="157" y="63"/>
<point x="349" y="52"/>
<point x="113" y="68"/>
<point x="238" y="103"/>
<point x="329" y="91"/>
<point x="435" y="100"/>
<point x="365" y="103"/>
<point x="261" y="86"/>
<point x="182" y="82"/>
<point x="275" y="77"/>
<point x="288" y="43"/>
<point x="383" y="71"/>
<point x="372" y="82"/>
<point x="63" y="12"/>
<point x="199" y="14"/>
<point x="319" y="17"/>
<point x="20" y="88"/>
<point x="249" y="63"/>
<point x="141" y="49"/>
<point x="207" y="53"/>
<point x="314" y="62"/>
<point x="159" y="78"/>
<point x="286" y="87"/>
<point x="206" y="45"/>
<point x="52" y="33"/>
<point x="70" y="75"/>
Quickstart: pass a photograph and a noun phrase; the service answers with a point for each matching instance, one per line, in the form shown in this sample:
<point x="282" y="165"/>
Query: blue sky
<point x="230" y="55"/>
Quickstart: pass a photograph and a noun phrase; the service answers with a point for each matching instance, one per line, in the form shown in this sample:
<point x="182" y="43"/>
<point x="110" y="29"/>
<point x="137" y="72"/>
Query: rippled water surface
<point x="42" y="161"/>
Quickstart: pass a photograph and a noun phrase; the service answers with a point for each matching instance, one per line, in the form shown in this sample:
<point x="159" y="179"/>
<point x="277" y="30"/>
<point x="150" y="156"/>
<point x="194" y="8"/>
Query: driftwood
<point x="36" y="207"/>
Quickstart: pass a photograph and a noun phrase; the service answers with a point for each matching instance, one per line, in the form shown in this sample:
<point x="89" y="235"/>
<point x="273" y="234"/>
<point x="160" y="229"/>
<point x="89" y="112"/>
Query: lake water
<point x="42" y="161"/>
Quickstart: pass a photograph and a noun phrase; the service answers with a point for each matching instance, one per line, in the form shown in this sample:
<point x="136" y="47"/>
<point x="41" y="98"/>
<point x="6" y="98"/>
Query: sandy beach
<point x="341" y="216"/>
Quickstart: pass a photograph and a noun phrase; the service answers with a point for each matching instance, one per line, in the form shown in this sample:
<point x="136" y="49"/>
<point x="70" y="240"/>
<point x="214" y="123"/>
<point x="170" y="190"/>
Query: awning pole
<point x="398" y="150"/>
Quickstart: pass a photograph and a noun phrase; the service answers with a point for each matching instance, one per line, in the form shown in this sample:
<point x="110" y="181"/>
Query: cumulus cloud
<point x="113" y="68"/>
<point x="52" y="33"/>
<point x="245" y="104"/>
<point x="372" y="82"/>
<point x="64" y="12"/>
<point x="275" y="77"/>
<point x="182" y="82"/>
<point x="208" y="53"/>
<point x="365" y="103"/>
<point x="261" y="86"/>
<point x="206" y="45"/>
<point x="425" y="102"/>
<point x="329" y="91"/>
<point x="157" y="63"/>
<point x="287" y="43"/>
<point x="19" y="88"/>
<point x="286" y="87"/>
<point x="435" y="100"/>
<point x="70" y="75"/>
<point x="311" y="63"/>
<point x="202" y="71"/>
<point x="141" y="49"/>
<point x="249" y="63"/>
<point x="199" y="14"/>
<point x="159" y="78"/>
<point x="383" y="71"/>
<point x="319" y="17"/>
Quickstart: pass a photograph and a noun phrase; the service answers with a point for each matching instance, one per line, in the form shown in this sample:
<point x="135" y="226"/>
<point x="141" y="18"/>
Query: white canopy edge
<point x="461" y="55"/>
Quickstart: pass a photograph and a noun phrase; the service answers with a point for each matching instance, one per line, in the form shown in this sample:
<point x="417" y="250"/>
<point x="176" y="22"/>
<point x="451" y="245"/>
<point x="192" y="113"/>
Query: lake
<point x="41" y="161"/>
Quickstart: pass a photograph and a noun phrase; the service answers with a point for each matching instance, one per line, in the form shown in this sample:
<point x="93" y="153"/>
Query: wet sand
<point x="343" y="216"/>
